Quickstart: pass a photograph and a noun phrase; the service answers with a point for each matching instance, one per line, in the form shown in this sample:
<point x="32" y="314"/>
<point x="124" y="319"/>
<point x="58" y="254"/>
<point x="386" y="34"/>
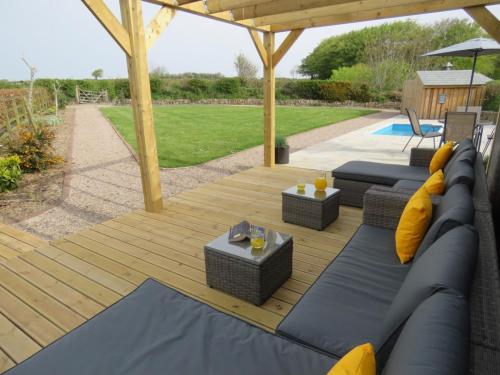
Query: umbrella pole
<point x="471" y="82"/>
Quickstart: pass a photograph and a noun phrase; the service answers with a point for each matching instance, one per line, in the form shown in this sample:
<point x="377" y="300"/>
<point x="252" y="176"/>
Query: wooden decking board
<point x="82" y="273"/>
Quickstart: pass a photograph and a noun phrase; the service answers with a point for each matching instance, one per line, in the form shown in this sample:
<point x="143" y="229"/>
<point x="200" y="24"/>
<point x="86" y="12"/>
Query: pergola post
<point x="140" y="91"/>
<point x="270" y="59"/>
<point x="269" y="101"/>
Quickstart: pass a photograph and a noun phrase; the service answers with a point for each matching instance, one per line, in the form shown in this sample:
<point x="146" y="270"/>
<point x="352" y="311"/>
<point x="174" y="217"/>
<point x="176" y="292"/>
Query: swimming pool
<point x="405" y="129"/>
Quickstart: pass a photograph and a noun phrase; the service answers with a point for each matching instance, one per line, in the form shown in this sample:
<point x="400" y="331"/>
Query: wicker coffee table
<point x="252" y="275"/>
<point x="310" y="208"/>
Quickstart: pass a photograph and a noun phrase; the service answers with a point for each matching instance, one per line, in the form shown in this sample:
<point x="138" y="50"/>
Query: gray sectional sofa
<point x="437" y="315"/>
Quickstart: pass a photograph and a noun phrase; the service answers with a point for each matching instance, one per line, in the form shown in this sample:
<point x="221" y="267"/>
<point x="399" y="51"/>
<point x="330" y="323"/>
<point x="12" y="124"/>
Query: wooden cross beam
<point x="486" y="20"/>
<point x="158" y="24"/>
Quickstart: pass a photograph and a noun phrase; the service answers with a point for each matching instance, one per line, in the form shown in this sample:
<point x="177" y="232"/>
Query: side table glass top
<point x="243" y="249"/>
<point x="310" y="192"/>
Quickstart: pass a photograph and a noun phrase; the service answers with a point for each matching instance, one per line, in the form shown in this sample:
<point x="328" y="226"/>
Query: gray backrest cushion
<point x="448" y="264"/>
<point x="462" y="147"/>
<point x="461" y="172"/>
<point x="455" y="208"/>
<point x="435" y="339"/>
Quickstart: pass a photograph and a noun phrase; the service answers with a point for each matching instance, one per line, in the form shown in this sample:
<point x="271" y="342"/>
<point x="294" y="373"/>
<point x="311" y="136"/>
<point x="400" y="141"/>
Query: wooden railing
<point x="87" y="96"/>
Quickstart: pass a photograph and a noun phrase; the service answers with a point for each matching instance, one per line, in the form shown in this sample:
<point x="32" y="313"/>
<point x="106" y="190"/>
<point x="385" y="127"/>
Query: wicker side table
<point x="310" y="208"/>
<point x="237" y="269"/>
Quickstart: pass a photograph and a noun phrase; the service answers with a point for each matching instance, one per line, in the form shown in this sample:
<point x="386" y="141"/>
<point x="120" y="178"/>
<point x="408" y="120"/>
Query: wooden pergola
<point x="266" y="17"/>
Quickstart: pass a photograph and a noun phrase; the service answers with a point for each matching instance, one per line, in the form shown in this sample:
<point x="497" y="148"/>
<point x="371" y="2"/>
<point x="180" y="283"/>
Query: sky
<point x="64" y="40"/>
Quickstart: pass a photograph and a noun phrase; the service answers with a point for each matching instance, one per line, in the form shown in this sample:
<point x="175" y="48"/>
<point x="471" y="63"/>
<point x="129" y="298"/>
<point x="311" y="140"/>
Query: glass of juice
<point x="256" y="239"/>
<point x="320" y="182"/>
<point x="301" y="185"/>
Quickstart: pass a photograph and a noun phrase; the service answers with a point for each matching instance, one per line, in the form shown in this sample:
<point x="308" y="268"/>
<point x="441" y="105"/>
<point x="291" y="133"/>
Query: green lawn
<point x="193" y="134"/>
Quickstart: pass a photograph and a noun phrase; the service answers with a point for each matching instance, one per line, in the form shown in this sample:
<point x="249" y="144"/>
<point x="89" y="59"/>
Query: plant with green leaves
<point x="281" y="141"/>
<point x="10" y="172"/>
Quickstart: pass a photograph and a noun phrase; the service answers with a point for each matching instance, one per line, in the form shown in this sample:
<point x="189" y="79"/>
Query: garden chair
<point x="417" y="129"/>
<point x="459" y="126"/>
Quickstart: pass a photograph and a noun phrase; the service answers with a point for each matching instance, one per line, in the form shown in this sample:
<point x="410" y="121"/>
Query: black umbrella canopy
<point x="471" y="48"/>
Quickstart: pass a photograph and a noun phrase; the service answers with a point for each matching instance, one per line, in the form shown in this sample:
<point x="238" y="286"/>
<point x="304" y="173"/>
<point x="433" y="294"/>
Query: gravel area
<point x="103" y="180"/>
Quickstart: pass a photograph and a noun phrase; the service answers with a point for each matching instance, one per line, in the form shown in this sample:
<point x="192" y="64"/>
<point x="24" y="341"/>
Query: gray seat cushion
<point x="379" y="173"/>
<point x="448" y="264"/>
<point x="461" y="172"/>
<point x="435" y="339"/>
<point x="455" y="208"/>
<point x="156" y="331"/>
<point x="347" y="304"/>
<point x="408" y="185"/>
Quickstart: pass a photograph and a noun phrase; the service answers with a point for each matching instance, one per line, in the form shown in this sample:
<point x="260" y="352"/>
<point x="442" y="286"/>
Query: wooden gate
<point x="87" y="96"/>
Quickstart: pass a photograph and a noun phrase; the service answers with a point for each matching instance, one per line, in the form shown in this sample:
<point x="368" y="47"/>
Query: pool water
<point x="405" y="129"/>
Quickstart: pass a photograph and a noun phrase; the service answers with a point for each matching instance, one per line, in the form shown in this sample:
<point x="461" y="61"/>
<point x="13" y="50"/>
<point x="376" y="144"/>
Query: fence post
<point x="77" y="94"/>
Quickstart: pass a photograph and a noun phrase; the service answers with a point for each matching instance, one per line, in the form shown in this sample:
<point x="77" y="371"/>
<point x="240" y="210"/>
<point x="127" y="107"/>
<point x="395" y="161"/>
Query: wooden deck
<point x="48" y="289"/>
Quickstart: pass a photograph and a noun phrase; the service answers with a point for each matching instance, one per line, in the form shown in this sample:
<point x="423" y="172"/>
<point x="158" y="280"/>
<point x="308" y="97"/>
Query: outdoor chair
<point x="417" y="130"/>
<point x="459" y="126"/>
<point x="476" y="109"/>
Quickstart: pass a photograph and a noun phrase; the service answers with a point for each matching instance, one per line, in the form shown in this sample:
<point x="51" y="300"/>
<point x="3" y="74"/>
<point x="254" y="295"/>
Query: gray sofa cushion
<point x="461" y="172"/>
<point x="379" y="173"/>
<point x="462" y="147"/>
<point x="408" y="185"/>
<point x="435" y="339"/>
<point x="347" y="304"/>
<point x="454" y="209"/>
<point x="448" y="264"/>
<point x="156" y="331"/>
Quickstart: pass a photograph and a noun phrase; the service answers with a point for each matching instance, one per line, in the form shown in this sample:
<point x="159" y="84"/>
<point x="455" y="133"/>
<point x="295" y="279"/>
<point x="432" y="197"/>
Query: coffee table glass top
<point x="310" y="192"/>
<point x="243" y="249"/>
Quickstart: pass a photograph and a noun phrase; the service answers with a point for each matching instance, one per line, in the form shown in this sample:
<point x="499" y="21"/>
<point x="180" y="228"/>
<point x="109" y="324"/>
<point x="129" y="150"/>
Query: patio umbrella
<point x="471" y="48"/>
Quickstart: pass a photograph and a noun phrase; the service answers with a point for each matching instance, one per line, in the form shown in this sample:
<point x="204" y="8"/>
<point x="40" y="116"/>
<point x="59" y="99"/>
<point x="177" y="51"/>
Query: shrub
<point x="280" y="141"/>
<point x="361" y="94"/>
<point x="492" y="97"/>
<point x="335" y="91"/>
<point x="302" y="89"/>
<point x="197" y="86"/>
<point x="10" y="172"/>
<point x="33" y="145"/>
<point x="359" y="74"/>
<point x="228" y="86"/>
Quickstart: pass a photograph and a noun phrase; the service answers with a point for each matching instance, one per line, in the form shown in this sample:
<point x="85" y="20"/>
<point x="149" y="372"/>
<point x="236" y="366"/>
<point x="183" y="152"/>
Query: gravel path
<point x="103" y="179"/>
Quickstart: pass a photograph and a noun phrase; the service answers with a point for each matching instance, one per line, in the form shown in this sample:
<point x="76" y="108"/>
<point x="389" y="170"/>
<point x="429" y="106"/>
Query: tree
<point x="33" y="71"/>
<point x="246" y="70"/>
<point x="159" y="72"/>
<point x="98" y="73"/>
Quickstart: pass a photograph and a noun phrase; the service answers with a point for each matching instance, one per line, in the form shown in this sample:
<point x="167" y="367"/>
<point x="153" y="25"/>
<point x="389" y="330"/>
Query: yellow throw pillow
<point x="413" y="224"/>
<point x="441" y="157"/>
<point x="435" y="183"/>
<point x="359" y="361"/>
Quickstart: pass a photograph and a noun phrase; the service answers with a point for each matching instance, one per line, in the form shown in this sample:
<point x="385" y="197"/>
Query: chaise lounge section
<point x="354" y="178"/>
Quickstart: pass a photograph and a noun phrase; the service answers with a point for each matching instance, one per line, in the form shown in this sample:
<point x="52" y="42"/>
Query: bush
<point x="302" y="89"/>
<point x="197" y="86"/>
<point x="335" y="91"/>
<point x="33" y="145"/>
<point x="10" y="172"/>
<point x="228" y="86"/>
<point x="359" y="74"/>
<point x="361" y="94"/>
<point x="492" y="97"/>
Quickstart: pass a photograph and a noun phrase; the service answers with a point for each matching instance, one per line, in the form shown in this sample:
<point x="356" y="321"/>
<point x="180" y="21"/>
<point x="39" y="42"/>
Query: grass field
<point x="193" y="134"/>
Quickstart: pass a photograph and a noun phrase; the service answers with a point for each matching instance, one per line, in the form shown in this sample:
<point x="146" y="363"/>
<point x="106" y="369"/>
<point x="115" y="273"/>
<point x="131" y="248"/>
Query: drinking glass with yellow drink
<point x="257" y="238"/>
<point x="320" y="182"/>
<point x="301" y="185"/>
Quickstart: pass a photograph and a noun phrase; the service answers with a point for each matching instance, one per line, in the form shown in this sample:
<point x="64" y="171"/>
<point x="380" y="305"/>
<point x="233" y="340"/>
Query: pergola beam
<point x="384" y="12"/>
<point x="285" y="46"/>
<point x="269" y="101"/>
<point x="215" y="6"/>
<point x="158" y="24"/>
<point x="486" y="20"/>
<point x="198" y="8"/>
<point x="110" y="23"/>
<point x="261" y="50"/>
<point x="282" y="7"/>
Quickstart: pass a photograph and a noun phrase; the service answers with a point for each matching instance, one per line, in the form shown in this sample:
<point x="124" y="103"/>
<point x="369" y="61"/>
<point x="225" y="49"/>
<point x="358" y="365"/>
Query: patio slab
<point x="362" y="144"/>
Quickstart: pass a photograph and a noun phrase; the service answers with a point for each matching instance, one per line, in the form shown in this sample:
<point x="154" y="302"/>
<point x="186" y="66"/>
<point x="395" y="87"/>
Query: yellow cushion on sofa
<point x="435" y="183"/>
<point x="359" y="361"/>
<point x="413" y="224"/>
<point x="441" y="157"/>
